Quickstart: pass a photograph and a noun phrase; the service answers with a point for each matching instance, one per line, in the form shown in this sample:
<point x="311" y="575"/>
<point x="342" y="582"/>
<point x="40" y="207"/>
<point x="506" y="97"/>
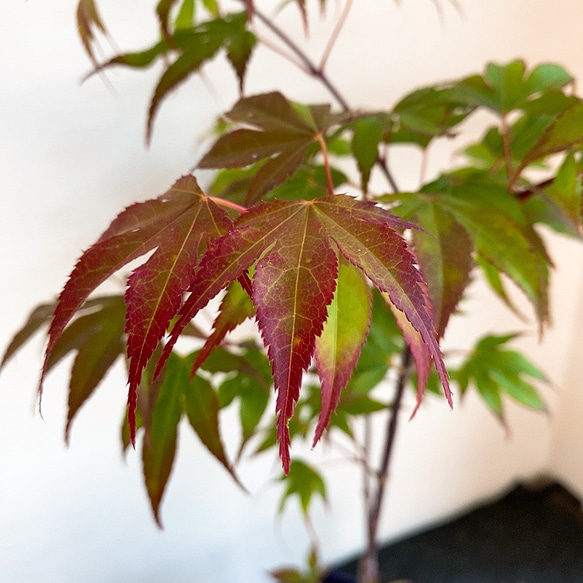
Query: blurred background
<point x="72" y="155"/>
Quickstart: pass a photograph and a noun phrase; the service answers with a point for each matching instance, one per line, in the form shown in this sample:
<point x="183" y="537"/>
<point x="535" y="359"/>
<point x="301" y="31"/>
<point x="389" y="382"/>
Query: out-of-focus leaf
<point x="494" y="280"/>
<point x="383" y="344"/>
<point x="307" y="183"/>
<point x="159" y="445"/>
<point x="546" y="77"/>
<point x="558" y="204"/>
<point x="88" y="20"/>
<point x="202" y="409"/>
<point x="368" y="133"/>
<point x="95" y="355"/>
<point x="565" y="132"/>
<point x="239" y="49"/>
<point x="444" y="250"/>
<point x="186" y="15"/>
<point x="163" y="9"/>
<point x="38" y="318"/>
<point x="494" y="369"/>
<point x="501" y="233"/>
<point x="304" y="483"/>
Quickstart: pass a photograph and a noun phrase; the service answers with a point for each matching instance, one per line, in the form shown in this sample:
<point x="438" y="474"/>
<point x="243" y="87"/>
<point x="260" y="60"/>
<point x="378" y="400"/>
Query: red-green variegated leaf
<point x="383" y="255"/>
<point x="344" y="333"/>
<point x="158" y="225"/>
<point x="159" y="445"/>
<point x="294" y="245"/>
<point x="235" y="308"/>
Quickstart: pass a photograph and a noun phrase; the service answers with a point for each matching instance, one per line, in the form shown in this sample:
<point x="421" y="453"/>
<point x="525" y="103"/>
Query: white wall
<point x="71" y="156"/>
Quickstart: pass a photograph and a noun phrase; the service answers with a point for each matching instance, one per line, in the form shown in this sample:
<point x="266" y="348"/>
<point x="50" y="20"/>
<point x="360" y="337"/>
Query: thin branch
<point x="319" y="74"/>
<point x="335" y="33"/>
<point x="291" y="58"/>
<point x="313" y="70"/>
<point x="368" y="567"/>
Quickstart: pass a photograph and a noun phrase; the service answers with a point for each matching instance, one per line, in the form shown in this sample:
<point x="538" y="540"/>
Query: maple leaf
<point x="294" y="246"/>
<point x="88" y="21"/>
<point x="274" y="129"/>
<point x="176" y="226"/>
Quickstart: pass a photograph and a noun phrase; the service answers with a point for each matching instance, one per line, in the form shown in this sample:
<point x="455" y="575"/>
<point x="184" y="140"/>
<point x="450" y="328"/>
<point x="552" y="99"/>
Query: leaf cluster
<point x="339" y="285"/>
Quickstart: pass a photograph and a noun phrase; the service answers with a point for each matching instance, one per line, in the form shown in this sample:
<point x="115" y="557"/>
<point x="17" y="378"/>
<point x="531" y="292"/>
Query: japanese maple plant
<point x="347" y="284"/>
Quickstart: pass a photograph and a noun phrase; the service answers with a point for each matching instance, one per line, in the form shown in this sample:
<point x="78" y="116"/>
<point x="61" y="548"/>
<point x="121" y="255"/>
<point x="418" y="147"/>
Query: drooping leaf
<point x="239" y="49"/>
<point x="250" y="385"/>
<point x="344" y="333"/>
<point x="205" y="41"/>
<point x="159" y="445"/>
<point x="40" y="316"/>
<point x="88" y="21"/>
<point x="295" y="245"/>
<point x="163" y="9"/>
<point x="186" y="15"/>
<point x="293" y="285"/>
<point x="494" y="280"/>
<point x="383" y="256"/>
<point x="96" y="337"/>
<point x="202" y="409"/>
<point x="95" y="355"/>
<point x="175" y="225"/>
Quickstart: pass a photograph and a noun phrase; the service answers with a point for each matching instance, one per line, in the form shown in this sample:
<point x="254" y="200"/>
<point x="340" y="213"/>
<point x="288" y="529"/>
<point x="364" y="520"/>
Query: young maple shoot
<point x="344" y="288"/>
